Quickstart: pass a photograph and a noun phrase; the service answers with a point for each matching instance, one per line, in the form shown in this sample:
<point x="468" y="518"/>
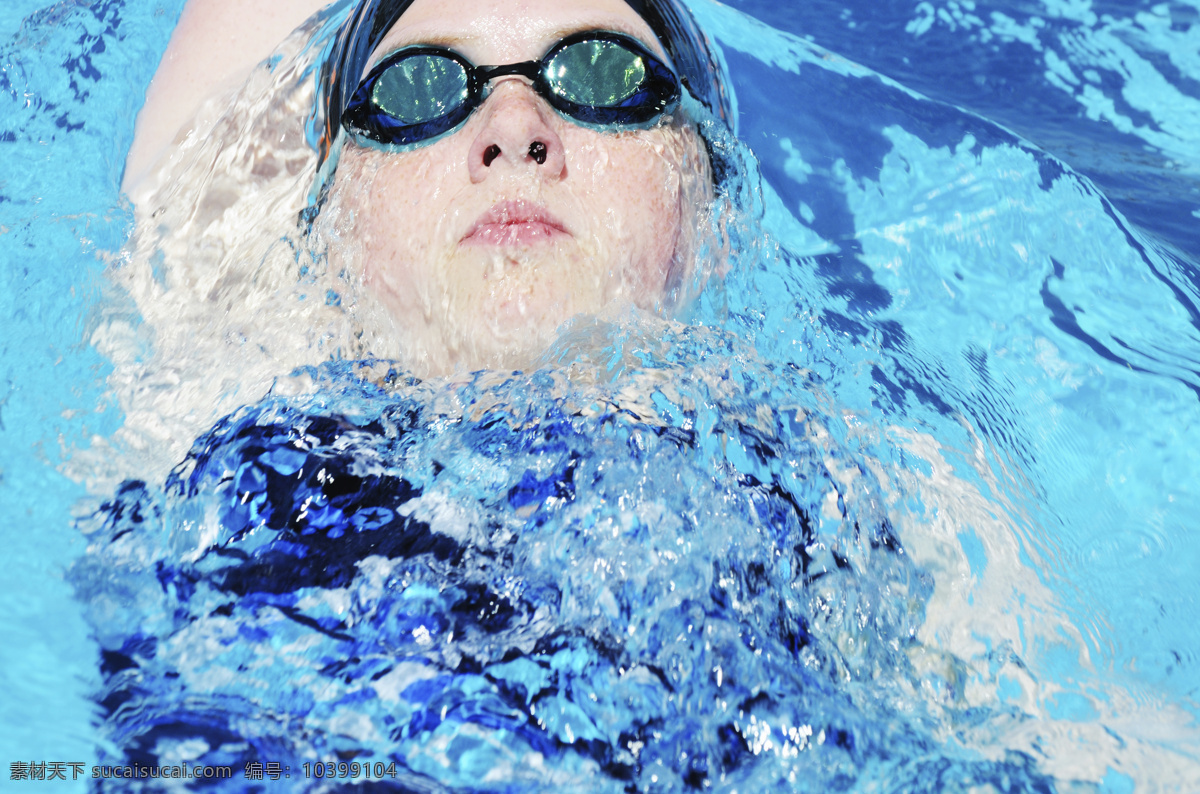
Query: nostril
<point x="490" y="154"/>
<point x="537" y="150"/>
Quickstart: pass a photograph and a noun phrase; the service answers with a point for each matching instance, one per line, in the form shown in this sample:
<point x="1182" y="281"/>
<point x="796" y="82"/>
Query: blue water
<point x="915" y="510"/>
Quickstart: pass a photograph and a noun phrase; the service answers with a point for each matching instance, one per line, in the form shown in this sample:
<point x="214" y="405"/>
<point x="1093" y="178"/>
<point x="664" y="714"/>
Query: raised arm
<point x="215" y="44"/>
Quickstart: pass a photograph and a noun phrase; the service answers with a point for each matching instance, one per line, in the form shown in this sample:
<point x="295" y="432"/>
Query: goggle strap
<point x="529" y="69"/>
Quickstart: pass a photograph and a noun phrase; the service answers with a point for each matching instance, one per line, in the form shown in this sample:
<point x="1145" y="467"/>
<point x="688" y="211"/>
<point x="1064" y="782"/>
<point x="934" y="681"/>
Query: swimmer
<point x="494" y="169"/>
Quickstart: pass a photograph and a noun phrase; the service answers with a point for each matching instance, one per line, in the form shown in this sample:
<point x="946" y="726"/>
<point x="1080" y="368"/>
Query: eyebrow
<point x="448" y="40"/>
<point x="454" y="41"/>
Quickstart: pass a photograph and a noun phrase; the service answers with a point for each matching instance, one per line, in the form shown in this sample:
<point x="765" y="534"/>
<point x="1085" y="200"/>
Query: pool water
<point x="908" y="505"/>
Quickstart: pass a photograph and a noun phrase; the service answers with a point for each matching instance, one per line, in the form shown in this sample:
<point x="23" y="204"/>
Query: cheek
<point x="399" y="215"/>
<point x="636" y="191"/>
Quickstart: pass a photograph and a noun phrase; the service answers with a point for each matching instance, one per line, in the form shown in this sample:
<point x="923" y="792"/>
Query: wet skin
<point x="480" y="245"/>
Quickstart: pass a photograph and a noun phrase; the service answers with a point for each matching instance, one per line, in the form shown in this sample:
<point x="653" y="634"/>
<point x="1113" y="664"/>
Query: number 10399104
<point x="352" y="769"/>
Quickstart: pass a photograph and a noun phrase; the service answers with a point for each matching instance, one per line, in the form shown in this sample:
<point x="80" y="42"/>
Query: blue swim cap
<point x="686" y="46"/>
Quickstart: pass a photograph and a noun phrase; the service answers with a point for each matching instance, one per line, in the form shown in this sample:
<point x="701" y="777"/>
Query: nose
<point x="517" y="132"/>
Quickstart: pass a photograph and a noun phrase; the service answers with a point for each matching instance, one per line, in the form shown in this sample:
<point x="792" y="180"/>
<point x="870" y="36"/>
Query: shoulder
<point x="215" y="45"/>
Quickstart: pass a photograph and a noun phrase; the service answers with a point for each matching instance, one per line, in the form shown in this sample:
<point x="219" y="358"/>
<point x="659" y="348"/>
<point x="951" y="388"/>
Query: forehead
<point x="497" y="32"/>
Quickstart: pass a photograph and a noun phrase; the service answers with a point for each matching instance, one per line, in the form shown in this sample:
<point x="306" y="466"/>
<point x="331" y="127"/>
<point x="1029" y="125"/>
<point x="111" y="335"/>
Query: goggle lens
<point x="596" y="73"/>
<point x="421" y="88"/>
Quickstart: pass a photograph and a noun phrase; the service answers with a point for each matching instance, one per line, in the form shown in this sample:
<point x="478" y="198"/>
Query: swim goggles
<point x="597" y="79"/>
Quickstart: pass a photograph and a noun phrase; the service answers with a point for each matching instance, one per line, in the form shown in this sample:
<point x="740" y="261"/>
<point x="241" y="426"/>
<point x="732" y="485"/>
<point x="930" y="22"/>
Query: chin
<point x="502" y="309"/>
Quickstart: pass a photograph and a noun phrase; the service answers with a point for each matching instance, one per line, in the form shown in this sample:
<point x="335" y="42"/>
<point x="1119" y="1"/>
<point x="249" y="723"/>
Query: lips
<point x="515" y="223"/>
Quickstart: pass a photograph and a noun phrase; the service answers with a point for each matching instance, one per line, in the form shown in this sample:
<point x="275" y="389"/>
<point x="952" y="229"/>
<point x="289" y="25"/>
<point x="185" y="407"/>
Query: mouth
<point x="515" y="223"/>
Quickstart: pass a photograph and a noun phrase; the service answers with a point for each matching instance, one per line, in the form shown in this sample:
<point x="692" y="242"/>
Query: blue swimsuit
<point x="508" y="600"/>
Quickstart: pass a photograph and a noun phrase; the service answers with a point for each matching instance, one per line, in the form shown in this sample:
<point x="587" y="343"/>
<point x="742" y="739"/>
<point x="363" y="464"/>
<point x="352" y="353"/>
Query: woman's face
<point x="478" y="250"/>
